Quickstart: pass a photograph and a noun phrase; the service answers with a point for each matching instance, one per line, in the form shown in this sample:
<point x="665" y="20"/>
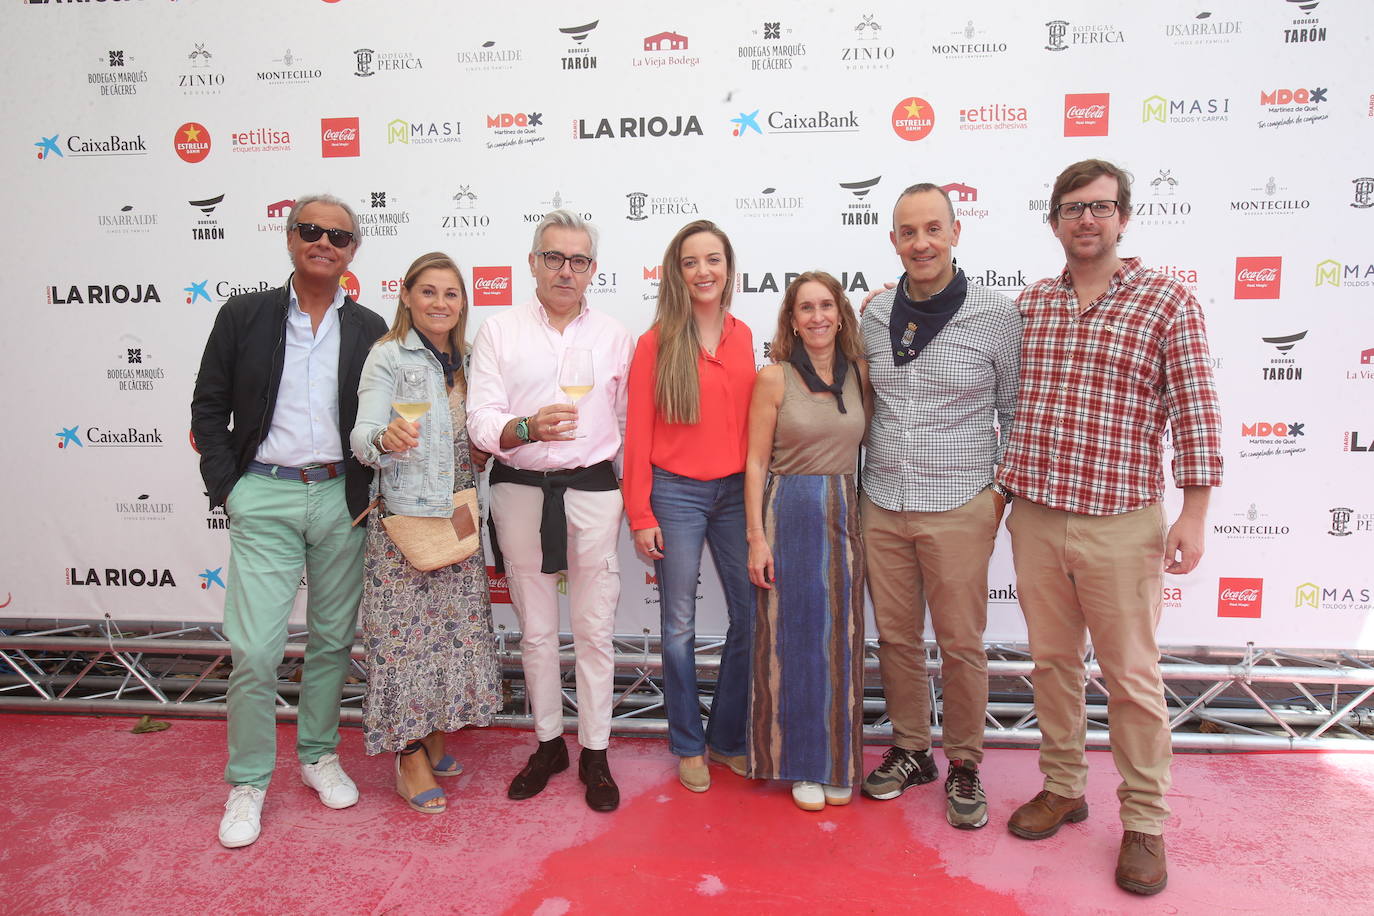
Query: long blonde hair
<point x="401" y="325"/>
<point x="677" y="390"/>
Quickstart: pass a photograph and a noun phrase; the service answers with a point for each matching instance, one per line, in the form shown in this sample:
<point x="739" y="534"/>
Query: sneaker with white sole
<point x="242" y="821"/>
<point x="326" y="776"/>
<point x="809" y="796"/>
<point x="967" y="807"/>
<point x="900" y="770"/>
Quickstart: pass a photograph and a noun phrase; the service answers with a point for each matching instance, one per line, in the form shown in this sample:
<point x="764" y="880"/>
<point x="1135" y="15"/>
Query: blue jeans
<point x="692" y="513"/>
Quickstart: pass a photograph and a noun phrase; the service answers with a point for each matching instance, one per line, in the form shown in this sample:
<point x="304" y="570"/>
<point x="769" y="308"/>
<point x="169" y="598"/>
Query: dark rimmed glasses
<point x="554" y="260"/>
<point x="1099" y="208"/>
<point x="339" y="238"/>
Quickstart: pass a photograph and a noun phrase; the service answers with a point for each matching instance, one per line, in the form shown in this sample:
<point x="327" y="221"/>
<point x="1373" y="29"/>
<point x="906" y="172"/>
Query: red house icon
<point x="960" y="192"/>
<point x="666" y="41"/>
<point x="1367" y="357"/>
<point x="280" y="208"/>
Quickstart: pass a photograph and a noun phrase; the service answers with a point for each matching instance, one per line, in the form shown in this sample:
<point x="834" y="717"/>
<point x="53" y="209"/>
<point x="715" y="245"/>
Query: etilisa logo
<point x="970" y="43"/>
<point x="1062" y="35"/>
<point x="512" y="129"/>
<point x="662" y="50"/>
<point x="200" y="75"/>
<point x="578" y="56"/>
<point x="1338" y="273"/>
<point x="858" y="209"/>
<point x="913" y="118"/>
<point x="339" y="137"/>
<point x="466" y="219"/>
<point x="1087" y="114"/>
<point x="116" y="74"/>
<point x="1237" y="597"/>
<point x="420" y="133"/>
<point x="261" y="140"/>
<point x="491" y="285"/>
<point x="868" y="51"/>
<point x="773" y="47"/>
<point x="994" y="116"/>
<point x="1258" y="278"/>
<point x="1283" y="365"/>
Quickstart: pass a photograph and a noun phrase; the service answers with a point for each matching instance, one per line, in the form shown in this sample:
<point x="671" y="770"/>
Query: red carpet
<point x="99" y="820"/>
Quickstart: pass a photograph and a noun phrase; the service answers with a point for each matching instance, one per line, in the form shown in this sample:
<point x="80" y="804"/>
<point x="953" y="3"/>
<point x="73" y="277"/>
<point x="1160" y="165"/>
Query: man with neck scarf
<point x="944" y="357"/>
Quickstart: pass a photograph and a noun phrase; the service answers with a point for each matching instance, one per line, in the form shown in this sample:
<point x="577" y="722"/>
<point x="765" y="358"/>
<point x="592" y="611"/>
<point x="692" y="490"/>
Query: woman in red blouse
<point x="686" y="436"/>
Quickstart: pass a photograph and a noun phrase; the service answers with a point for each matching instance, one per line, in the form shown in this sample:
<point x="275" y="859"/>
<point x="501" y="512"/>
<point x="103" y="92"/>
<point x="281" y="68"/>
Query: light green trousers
<point x="279" y="528"/>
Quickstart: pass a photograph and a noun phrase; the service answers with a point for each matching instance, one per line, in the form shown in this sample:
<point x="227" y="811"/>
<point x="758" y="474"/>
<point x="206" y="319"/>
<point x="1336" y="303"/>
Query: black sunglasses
<point x="339" y="238"/>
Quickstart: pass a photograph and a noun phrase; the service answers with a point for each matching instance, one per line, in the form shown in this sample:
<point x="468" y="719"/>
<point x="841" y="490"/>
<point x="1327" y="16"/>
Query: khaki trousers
<point x="1104" y="576"/>
<point x="940" y="560"/>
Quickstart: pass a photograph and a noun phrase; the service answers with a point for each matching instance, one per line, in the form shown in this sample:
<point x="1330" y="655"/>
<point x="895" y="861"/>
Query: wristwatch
<point x="522" y="429"/>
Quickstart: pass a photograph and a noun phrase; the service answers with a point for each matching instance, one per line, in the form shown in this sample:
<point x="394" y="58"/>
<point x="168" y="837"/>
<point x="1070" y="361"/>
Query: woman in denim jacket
<point x="431" y="655"/>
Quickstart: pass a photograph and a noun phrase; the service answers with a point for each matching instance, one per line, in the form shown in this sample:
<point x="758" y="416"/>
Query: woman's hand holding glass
<point x="411" y="402"/>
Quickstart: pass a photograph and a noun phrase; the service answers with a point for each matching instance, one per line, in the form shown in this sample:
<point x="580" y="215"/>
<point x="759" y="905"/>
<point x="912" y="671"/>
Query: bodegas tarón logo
<point x="578" y="57"/>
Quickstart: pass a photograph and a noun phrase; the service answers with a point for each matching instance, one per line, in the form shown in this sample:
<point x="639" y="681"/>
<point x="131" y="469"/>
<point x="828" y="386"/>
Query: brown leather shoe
<point x="550" y="757"/>
<point x="696" y="777"/>
<point x="1140" y="867"/>
<point x="738" y="763"/>
<point x="1043" y="815"/>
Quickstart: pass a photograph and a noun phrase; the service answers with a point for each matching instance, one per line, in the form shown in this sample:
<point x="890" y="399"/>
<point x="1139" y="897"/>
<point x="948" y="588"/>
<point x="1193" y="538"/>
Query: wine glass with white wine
<point x="575" y="376"/>
<point x="411" y="400"/>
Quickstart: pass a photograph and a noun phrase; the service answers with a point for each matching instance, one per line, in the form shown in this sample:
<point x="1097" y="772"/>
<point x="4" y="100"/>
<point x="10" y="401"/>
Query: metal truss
<point x="1218" y="698"/>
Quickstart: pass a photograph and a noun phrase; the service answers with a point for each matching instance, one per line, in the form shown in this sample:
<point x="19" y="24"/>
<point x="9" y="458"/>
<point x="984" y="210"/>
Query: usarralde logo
<point x="192" y="142"/>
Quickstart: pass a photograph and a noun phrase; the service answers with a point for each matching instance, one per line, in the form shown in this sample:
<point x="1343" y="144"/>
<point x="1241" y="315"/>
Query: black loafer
<point x="602" y="792"/>
<point x="550" y="757"/>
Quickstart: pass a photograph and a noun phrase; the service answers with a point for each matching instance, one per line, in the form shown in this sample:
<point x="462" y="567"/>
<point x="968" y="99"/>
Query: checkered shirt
<point x="934" y="437"/>
<point x="1097" y="389"/>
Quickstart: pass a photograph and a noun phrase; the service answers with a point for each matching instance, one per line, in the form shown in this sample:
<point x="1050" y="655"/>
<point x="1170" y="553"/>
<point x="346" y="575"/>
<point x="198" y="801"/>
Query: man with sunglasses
<point x="555" y="495"/>
<point x="273" y="406"/>
<point x="1112" y="353"/>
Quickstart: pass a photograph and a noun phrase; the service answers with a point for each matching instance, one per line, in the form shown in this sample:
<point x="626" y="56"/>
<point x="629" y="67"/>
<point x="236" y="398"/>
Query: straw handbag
<point x="433" y="543"/>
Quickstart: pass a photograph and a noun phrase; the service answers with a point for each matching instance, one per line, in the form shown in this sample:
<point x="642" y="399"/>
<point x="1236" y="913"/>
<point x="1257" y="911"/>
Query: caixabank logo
<point x="778" y="121"/>
<point x="637" y="127"/>
<point x="79" y="146"/>
<point x="69" y="437"/>
<point x="202" y="291"/>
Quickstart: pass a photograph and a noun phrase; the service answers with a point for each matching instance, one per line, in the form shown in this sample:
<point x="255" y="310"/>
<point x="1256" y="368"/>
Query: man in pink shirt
<point x="555" y="498"/>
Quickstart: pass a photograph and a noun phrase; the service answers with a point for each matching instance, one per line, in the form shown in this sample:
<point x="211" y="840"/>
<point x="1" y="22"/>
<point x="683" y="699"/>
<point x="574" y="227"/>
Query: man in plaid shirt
<point x="1112" y="352"/>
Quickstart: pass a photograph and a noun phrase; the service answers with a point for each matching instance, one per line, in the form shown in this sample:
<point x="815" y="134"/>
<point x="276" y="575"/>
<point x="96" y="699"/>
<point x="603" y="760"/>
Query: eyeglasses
<point x="554" y="260"/>
<point x="339" y="238"/>
<point x="1100" y="208"/>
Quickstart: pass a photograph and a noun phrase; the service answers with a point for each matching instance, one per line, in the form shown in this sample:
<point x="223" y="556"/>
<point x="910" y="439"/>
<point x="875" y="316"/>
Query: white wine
<point x="575" y="392"/>
<point x="410" y="411"/>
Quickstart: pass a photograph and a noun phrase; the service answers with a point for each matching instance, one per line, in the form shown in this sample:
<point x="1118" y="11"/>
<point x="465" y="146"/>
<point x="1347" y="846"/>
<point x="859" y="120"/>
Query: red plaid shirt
<point x="1098" y="387"/>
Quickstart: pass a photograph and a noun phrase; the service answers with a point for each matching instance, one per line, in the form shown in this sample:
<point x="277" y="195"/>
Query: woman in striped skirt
<point x="806" y="421"/>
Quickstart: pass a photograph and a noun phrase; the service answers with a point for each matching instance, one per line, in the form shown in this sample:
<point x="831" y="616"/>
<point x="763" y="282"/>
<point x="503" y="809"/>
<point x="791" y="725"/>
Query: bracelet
<point x="377" y="442"/>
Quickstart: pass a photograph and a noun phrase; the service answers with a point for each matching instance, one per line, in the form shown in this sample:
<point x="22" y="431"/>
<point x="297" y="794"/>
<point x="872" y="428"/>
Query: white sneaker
<point x="327" y="777"/>
<point x="809" y="796"/>
<point x="838" y="795"/>
<point x="242" y="821"/>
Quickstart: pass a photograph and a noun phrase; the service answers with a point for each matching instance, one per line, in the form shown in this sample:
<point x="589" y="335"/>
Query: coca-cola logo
<point x="491" y="285"/>
<point x="1087" y="114"/>
<point x="1239" y="597"/>
<point x="339" y="137"/>
<point x="1258" y="278"/>
<point x="499" y="585"/>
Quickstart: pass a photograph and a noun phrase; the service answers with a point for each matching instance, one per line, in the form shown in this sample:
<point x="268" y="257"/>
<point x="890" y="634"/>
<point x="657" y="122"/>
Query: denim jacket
<point x="423" y="485"/>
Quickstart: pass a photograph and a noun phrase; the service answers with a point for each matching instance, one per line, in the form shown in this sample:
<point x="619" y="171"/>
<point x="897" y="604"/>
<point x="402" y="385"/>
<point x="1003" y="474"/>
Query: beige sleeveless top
<point x="812" y="436"/>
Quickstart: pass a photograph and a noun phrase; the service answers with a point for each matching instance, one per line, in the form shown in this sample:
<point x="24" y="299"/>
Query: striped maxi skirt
<point x="806" y="691"/>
